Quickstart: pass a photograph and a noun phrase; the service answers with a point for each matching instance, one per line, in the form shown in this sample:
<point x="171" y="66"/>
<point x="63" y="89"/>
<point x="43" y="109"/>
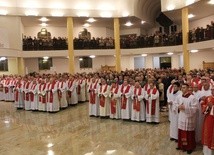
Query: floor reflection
<point x="72" y="132"/>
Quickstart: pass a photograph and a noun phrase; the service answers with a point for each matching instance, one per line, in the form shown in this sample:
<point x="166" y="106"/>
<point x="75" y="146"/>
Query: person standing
<point x="187" y="107"/>
<point x="208" y="124"/>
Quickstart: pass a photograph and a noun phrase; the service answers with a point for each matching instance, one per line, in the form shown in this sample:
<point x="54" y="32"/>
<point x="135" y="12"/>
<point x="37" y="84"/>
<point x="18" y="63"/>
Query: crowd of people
<point x="131" y="41"/>
<point x="136" y="95"/>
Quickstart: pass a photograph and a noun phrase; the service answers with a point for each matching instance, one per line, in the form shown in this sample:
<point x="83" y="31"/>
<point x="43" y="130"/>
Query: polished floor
<point x="72" y="132"/>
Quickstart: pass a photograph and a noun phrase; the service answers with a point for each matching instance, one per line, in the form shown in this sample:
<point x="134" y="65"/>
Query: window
<point x="45" y="64"/>
<point x="3" y="64"/>
<point x="85" y="62"/>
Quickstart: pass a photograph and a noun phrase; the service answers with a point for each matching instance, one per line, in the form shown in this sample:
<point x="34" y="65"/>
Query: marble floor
<point x="72" y="132"/>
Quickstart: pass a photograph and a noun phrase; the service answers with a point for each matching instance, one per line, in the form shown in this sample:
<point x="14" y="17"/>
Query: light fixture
<point x="3" y="12"/>
<point x="31" y="13"/>
<point x="171" y="7"/>
<point x="170" y="53"/>
<point x="6" y="121"/>
<point x="3" y="58"/>
<point x="50" y="145"/>
<point x="211" y="2"/>
<point x="86" y="25"/>
<point x="106" y="14"/>
<point x="44" y="19"/>
<point x="143" y="55"/>
<point x="142" y="22"/>
<point x="44" y="24"/>
<point x="193" y="51"/>
<point x="57" y="14"/>
<point x="128" y="23"/>
<point x="82" y="14"/>
<point x="92" y="56"/>
<point x="125" y="14"/>
<point x="80" y="59"/>
<point x="191" y="16"/>
<point x="46" y="58"/>
<point x="189" y="2"/>
<point x="91" y="20"/>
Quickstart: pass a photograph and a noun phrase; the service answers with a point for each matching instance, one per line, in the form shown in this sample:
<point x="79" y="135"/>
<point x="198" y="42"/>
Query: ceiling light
<point x="128" y="24"/>
<point x="211" y="2"/>
<point x="170" y="53"/>
<point x="31" y="13"/>
<point x="83" y="14"/>
<point x="91" y="20"/>
<point x="125" y="14"/>
<point x="193" y="51"/>
<point x="191" y="16"/>
<point x="3" y="58"/>
<point x="92" y="56"/>
<point x="142" y="22"/>
<point x="44" y="24"/>
<point x="46" y="58"/>
<point x="86" y="25"/>
<point x="44" y="19"/>
<point x="80" y="59"/>
<point x="106" y="14"/>
<point x="189" y="2"/>
<point x="50" y="145"/>
<point x="3" y="12"/>
<point x="143" y="55"/>
<point x="57" y="14"/>
<point x="171" y="7"/>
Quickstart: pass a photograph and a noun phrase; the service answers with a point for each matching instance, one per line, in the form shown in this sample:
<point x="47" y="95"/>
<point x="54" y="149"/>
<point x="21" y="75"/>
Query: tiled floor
<point x="72" y="132"/>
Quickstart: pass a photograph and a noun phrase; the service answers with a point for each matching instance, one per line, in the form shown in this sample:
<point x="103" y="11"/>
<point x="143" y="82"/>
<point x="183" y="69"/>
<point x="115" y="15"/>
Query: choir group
<point x="130" y="95"/>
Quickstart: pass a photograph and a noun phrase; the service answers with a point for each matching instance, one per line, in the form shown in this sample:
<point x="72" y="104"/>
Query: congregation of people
<point x="126" y="42"/>
<point x="133" y="95"/>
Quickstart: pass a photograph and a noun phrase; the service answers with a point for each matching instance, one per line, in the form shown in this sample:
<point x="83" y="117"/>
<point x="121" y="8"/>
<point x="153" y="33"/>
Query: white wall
<point x="130" y="31"/>
<point x="201" y="22"/>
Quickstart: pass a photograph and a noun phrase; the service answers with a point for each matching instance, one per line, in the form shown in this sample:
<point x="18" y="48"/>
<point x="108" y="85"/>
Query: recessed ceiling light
<point x="171" y="7"/>
<point x="142" y="22"/>
<point x="80" y="59"/>
<point x="211" y="2"/>
<point x="46" y="58"/>
<point x="44" y="24"/>
<point x="91" y="20"/>
<point x="143" y="55"/>
<point x="189" y="2"/>
<point x="31" y="13"/>
<point x="92" y="56"/>
<point x="106" y="14"/>
<point x="3" y="12"/>
<point x="193" y="51"/>
<point x="191" y="16"/>
<point x="57" y="14"/>
<point x="83" y="14"/>
<point x="44" y="19"/>
<point x="128" y="24"/>
<point x="86" y="25"/>
<point x="170" y="53"/>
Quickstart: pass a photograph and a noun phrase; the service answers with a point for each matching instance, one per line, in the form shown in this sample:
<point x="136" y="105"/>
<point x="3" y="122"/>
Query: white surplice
<point x="93" y="107"/>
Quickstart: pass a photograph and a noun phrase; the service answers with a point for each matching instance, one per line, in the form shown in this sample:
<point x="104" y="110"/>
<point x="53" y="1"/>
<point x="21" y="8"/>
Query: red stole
<point x="136" y="105"/>
<point x="92" y="93"/>
<point x="6" y="89"/>
<point x="154" y="91"/>
<point x="59" y="91"/>
<point x="114" y="101"/>
<point x="170" y="89"/>
<point x="26" y="95"/>
<point x="70" y="83"/>
<point x="31" y="94"/>
<point x="102" y="98"/>
<point x="124" y="99"/>
<point x="17" y="92"/>
<point x="79" y="87"/>
<point x="51" y="92"/>
<point x="42" y="98"/>
<point x="146" y="87"/>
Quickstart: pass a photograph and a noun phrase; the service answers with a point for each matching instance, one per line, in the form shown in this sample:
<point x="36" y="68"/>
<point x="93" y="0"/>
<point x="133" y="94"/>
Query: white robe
<point x="174" y="114"/>
<point x="42" y="94"/>
<point x="81" y="84"/>
<point x="138" y="115"/>
<point x="53" y="106"/>
<point x="117" y="97"/>
<point x="156" y="116"/>
<point x="20" y="102"/>
<point x="1" y="91"/>
<point x="104" y="111"/>
<point x="207" y="151"/>
<point x="73" y="99"/>
<point x="35" y="102"/>
<point x="94" y="108"/>
<point x="62" y="87"/>
<point x="168" y="94"/>
<point x="126" y="113"/>
<point x="27" y="102"/>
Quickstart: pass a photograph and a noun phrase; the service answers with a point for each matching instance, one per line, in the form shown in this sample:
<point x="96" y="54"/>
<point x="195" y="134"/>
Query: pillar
<point x="21" y="66"/>
<point x="70" y="45"/>
<point x="117" y="44"/>
<point x="185" y="30"/>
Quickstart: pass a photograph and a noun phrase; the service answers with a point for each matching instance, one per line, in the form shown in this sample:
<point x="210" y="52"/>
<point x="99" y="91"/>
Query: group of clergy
<point x="191" y="113"/>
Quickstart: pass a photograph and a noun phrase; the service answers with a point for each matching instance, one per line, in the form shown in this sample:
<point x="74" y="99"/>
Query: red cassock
<point x="208" y="126"/>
